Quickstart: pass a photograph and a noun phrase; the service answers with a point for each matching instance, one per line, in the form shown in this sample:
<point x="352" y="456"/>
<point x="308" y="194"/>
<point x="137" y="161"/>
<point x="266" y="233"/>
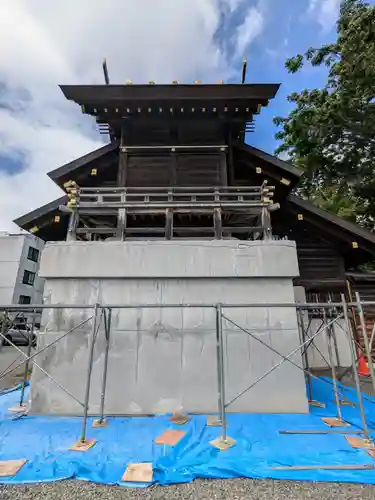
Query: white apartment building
<point x="19" y="264"/>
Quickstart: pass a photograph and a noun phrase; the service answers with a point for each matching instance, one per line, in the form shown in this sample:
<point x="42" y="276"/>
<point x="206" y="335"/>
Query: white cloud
<point x="248" y="31"/>
<point x="45" y="43"/>
<point x="325" y="12"/>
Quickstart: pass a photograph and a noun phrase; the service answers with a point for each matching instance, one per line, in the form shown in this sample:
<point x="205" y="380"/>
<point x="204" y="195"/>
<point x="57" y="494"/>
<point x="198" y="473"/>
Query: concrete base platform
<point x="164" y="359"/>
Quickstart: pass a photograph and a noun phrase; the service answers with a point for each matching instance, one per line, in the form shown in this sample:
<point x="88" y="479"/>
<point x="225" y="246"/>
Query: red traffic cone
<point x="363" y="368"/>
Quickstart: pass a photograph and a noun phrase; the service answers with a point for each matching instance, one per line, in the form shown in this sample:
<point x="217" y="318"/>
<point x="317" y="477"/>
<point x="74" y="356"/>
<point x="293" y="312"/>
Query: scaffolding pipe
<point x="305" y="356"/>
<point x="331" y="362"/>
<point x="107" y="328"/>
<point x="220" y="370"/>
<point x="42" y="370"/>
<point x="355" y="372"/>
<point x="5" y="373"/>
<point x="307" y="305"/>
<point x="365" y="339"/>
<point x="89" y="371"/>
<point x="29" y="345"/>
<point x="285" y="358"/>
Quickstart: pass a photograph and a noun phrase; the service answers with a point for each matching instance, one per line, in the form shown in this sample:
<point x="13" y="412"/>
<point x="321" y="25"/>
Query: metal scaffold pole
<point x="29" y="345"/>
<point x="107" y="329"/>
<point x="328" y="335"/>
<point x="365" y="339"/>
<point x="89" y="371"/>
<point x="220" y="370"/>
<point x="305" y="355"/>
<point x="354" y="365"/>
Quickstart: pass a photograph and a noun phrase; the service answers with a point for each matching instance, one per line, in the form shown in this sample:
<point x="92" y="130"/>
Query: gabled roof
<point x="331" y="222"/>
<point x="273" y="166"/>
<point x="63" y="173"/>
<point x="31" y="217"/>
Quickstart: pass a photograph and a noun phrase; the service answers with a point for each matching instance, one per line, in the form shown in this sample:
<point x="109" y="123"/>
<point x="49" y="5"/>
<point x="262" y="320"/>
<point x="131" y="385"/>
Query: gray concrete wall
<point x="164" y="359"/>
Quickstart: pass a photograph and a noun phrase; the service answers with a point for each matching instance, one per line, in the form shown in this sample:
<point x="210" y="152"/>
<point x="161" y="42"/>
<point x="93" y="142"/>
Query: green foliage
<point x="331" y="131"/>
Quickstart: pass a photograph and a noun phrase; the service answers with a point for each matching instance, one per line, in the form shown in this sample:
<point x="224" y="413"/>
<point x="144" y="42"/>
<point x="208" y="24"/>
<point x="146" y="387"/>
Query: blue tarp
<point x="45" y="442"/>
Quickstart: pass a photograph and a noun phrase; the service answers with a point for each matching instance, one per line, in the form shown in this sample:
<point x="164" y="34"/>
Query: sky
<point x="45" y="43"/>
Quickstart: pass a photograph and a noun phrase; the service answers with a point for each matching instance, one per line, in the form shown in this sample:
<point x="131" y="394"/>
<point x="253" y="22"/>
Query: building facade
<point x="19" y="265"/>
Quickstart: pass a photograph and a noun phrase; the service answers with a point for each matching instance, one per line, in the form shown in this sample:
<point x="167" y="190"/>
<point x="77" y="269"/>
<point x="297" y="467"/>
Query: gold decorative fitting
<point x="175" y="82"/>
<point x="284" y="181"/>
<point x="259" y="108"/>
<point x="197" y="82"/>
<point x="220" y="82"/>
<point x="355" y="244"/>
<point x="83" y="108"/>
<point x="258" y="170"/>
<point x="300" y="216"/>
<point x="56" y="218"/>
<point x="151" y="82"/>
<point x="128" y="82"/>
<point x="34" y="229"/>
<point x="94" y="171"/>
<point x="266" y="199"/>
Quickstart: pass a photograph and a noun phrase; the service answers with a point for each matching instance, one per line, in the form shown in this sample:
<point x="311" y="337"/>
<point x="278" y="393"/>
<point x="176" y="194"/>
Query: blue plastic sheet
<point x="45" y="442"/>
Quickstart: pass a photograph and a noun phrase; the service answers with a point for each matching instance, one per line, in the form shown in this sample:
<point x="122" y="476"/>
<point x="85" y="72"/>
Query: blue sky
<point x="45" y="45"/>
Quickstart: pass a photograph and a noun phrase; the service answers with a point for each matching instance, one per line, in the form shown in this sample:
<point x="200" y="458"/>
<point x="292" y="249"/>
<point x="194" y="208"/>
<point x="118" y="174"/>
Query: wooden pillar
<point x="266" y="224"/>
<point x="122" y="168"/>
<point x="121" y="182"/>
<point x="73" y="225"/>
<point x="223" y="169"/>
<point x="218" y="226"/>
<point x="169" y="223"/>
<point x="231" y="178"/>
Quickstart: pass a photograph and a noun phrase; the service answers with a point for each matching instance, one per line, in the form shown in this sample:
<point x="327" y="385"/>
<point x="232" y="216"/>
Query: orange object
<point x="363" y="368"/>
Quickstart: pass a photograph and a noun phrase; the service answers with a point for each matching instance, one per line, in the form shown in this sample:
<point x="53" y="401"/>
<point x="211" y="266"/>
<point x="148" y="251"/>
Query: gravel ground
<point x="235" y="489"/>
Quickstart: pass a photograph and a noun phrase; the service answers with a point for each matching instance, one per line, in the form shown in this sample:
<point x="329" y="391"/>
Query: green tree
<point x="330" y="133"/>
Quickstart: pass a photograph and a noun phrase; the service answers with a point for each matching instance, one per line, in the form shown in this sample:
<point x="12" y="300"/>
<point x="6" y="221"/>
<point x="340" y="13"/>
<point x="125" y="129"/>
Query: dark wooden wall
<point x="174" y="169"/>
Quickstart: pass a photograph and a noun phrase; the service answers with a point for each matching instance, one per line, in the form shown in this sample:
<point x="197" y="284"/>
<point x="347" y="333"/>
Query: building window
<point x="28" y="278"/>
<point x="33" y="254"/>
<point x="24" y="299"/>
